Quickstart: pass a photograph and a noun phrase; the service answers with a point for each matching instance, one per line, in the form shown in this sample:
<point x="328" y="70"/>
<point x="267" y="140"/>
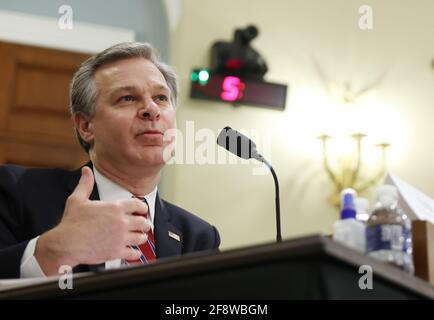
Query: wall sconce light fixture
<point x="348" y="174"/>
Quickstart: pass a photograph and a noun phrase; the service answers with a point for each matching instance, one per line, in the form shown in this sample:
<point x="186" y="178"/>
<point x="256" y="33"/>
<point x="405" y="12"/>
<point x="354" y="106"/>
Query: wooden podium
<point x="307" y="268"/>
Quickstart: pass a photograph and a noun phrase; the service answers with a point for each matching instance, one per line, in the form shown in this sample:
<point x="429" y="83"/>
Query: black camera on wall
<point x="236" y="75"/>
<point x="238" y="57"/>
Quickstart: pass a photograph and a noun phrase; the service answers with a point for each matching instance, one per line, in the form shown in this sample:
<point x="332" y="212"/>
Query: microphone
<point x="243" y="147"/>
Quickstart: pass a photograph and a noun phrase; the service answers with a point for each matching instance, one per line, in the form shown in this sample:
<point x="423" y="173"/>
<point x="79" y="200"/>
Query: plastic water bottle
<point x="349" y="231"/>
<point x="388" y="232"/>
<point x="362" y="209"/>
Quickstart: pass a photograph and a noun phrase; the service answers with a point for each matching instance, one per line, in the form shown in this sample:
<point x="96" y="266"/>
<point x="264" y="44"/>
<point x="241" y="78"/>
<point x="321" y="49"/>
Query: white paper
<point x="416" y="204"/>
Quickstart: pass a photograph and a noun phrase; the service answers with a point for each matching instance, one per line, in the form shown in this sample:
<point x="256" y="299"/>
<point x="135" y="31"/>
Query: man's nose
<point x="149" y="110"/>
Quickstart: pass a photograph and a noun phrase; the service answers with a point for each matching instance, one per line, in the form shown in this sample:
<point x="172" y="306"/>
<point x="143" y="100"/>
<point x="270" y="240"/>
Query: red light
<point x="232" y="88"/>
<point x="233" y="64"/>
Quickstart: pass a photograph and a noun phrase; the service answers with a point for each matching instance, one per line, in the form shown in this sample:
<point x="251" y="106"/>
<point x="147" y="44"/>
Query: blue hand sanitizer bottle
<point x="349" y="231"/>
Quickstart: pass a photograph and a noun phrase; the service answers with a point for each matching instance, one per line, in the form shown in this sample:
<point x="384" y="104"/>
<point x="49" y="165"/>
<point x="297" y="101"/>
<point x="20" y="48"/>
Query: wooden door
<point x="35" y="124"/>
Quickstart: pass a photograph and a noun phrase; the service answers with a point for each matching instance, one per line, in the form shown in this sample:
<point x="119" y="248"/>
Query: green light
<point x="194" y="77"/>
<point x="203" y="76"/>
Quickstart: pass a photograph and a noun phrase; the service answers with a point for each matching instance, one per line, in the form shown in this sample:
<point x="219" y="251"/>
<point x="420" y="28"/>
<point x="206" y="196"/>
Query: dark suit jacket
<point x="32" y="202"/>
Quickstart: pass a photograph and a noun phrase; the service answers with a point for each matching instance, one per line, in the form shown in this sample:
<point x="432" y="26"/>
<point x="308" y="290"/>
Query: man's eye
<point x="128" y="98"/>
<point x="162" y="97"/>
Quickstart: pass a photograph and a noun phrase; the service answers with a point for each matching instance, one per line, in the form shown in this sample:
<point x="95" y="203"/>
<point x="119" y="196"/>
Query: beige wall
<point x="292" y="33"/>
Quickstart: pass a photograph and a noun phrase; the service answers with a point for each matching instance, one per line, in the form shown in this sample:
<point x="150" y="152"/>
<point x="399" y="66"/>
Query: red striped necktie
<point x="148" y="248"/>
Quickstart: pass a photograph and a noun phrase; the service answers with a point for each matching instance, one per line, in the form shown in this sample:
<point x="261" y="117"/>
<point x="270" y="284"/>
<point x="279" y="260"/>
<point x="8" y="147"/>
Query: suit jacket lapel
<point x="165" y="232"/>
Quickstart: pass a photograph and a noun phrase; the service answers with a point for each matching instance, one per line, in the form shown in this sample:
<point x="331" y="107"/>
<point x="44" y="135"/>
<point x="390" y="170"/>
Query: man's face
<point x="133" y="110"/>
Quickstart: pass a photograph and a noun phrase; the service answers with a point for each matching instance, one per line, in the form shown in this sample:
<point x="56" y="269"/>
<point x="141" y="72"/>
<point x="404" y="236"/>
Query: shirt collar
<point x="111" y="191"/>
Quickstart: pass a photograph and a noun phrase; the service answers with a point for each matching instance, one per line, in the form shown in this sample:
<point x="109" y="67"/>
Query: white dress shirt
<point x="108" y="191"/>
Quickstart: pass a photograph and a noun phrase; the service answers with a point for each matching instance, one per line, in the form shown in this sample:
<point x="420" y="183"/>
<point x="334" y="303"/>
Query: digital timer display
<point x="236" y="90"/>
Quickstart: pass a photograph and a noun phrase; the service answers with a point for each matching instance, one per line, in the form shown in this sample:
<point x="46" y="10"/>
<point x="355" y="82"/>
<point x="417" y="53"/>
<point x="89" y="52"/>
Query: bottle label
<point x="387" y="237"/>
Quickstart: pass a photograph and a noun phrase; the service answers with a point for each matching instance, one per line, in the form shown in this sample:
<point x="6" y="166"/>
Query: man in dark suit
<point x="107" y="214"/>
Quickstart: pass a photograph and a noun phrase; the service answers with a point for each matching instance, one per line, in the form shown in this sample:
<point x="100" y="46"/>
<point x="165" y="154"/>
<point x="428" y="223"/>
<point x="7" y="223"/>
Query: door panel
<point x="35" y="125"/>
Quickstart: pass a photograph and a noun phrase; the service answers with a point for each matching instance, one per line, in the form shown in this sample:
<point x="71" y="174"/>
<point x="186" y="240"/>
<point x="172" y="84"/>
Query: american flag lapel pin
<point x="174" y="236"/>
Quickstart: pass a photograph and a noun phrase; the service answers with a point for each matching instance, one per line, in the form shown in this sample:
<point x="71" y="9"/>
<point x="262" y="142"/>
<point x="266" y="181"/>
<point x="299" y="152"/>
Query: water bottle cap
<point x="362" y="204"/>
<point x="348" y="214"/>
<point x="347" y="198"/>
<point x="347" y="203"/>
<point x="387" y="191"/>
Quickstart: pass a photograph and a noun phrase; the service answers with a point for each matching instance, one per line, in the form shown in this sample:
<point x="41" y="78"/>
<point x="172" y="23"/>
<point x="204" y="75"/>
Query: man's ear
<point x="83" y="124"/>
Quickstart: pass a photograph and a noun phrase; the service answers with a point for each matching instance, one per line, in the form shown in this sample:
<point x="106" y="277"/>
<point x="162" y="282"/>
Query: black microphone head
<point x="237" y="143"/>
